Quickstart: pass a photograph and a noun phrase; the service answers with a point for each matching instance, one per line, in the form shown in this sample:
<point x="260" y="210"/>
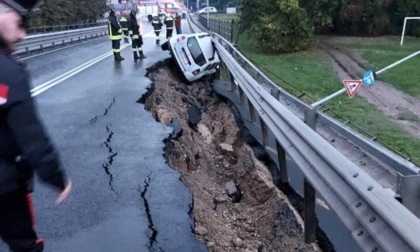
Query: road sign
<point x="368" y="79"/>
<point x="352" y="86"/>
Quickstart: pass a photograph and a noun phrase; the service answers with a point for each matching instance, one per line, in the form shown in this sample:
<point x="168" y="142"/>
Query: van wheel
<point x="165" y="46"/>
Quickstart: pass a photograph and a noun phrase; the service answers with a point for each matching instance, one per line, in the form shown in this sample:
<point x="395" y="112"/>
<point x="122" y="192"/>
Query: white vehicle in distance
<point x="210" y="10"/>
<point x="194" y="54"/>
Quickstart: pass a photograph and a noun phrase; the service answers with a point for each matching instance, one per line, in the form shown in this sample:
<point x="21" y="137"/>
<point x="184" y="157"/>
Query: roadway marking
<point x="57" y="80"/>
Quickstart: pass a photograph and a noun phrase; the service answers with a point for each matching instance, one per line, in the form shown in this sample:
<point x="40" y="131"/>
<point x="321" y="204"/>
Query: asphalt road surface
<point x="125" y="197"/>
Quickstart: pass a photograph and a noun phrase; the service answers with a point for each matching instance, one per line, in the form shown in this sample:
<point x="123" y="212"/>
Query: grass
<point x="383" y="51"/>
<point x="311" y="74"/>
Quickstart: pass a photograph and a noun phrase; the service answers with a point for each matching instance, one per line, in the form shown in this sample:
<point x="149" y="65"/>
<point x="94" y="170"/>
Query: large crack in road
<point x="110" y="158"/>
<point x="236" y="204"/>
<point x="107" y="143"/>
<point x="153" y="231"/>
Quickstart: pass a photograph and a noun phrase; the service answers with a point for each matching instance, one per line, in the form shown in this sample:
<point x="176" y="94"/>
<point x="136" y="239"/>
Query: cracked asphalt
<point x="125" y="197"/>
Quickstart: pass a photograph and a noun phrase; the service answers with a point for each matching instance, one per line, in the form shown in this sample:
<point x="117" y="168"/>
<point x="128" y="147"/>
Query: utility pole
<point x="208" y="15"/>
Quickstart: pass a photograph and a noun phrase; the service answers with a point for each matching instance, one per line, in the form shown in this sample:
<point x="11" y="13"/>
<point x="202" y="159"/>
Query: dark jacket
<point x="114" y="28"/>
<point x="124" y="23"/>
<point x="133" y="28"/>
<point x="157" y="25"/>
<point x="24" y="145"/>
<point x="178" y="21"/>
<point x="169" y="22"/>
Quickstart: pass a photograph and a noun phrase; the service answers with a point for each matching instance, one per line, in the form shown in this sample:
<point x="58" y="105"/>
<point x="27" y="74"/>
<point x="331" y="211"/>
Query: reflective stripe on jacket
<point x="157" y="25"/>
<point x="114" y="29"/>
<point x="124" y="24"/>
<point x="169" y="22"/>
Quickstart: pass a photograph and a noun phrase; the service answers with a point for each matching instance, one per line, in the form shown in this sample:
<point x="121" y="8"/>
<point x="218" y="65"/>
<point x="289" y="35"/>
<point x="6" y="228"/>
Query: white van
<point x="210" y="10"/>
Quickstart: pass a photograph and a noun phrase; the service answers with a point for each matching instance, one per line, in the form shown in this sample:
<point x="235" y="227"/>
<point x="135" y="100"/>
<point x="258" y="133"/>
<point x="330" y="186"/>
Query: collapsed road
<point x="236" y="204"/>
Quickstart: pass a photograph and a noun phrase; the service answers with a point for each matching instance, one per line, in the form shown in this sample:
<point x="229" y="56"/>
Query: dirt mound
<point x="237" y="207"/>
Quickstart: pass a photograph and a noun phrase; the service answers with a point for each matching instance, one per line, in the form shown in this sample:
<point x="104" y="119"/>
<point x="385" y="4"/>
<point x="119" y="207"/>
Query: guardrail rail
<point x="376" y="220"/>
<point x="40" y="42"/>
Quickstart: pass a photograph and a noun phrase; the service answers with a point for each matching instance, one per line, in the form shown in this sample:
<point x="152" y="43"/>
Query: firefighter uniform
<point x="24" y="150"/>
<point x="157" y="27"/>
<point x="124" y="27"/>
<point x="169" y="22"/>
<point x="136" y="38"/>
<point x="114" y="33"/>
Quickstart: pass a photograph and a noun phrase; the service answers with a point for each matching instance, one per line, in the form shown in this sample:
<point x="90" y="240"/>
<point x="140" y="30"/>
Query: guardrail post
<point x="256" y="75"/>
<point x="241" y="95"/>
<point x="310" y="196"/>
<point x="275" y="92"/>
<point x="252" y="112"/>
<point x="232" y="82"/>
<point x="309" y="191"/>
<point x="408" y="188"/>
<point x="281" y="154"/>
<point x="310" y="117"/>
<point x="264" y="132"/>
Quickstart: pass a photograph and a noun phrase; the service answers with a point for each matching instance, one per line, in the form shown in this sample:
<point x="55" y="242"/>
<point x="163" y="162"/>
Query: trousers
<point x="17" y="222"/>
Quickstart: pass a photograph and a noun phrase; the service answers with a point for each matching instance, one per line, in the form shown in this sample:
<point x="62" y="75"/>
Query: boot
<point x="126" y="40"/>
<point x="157" y="41"/>
<point x="119" y="58"/>
<point x="142" y="55"/>
<point x="136" y="56"/>
<point x="116" y="56"/>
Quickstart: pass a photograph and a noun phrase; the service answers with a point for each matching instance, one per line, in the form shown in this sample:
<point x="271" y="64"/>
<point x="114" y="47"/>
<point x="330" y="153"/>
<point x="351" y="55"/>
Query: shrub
<point x="283" y="27"/>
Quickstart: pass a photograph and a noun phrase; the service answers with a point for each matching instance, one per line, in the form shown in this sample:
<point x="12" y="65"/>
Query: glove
<point x="64" y="194"/>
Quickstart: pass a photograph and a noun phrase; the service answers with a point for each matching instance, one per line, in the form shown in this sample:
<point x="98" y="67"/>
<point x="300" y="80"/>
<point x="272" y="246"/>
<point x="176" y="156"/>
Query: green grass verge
<point x="311" y="74"/>
<point x="383" y="51"/>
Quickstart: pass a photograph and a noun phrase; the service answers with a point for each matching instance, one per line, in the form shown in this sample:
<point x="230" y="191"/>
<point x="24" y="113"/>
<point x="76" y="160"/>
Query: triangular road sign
<point x="352" y="86"/>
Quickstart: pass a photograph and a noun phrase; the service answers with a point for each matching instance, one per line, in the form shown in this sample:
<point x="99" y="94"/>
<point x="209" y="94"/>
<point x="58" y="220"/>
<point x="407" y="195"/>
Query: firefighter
<point x="124" y="26"/>
<point x="136" y="38"/>
<point x="157" y="27"/>
<point x="169" y="22"/>
<point x="114" y="33"/>
<point x="25" y="148"/>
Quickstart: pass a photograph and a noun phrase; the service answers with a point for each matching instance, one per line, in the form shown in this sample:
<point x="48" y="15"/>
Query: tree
<point x="398" y="10"/>
<point x="64" y="12"/>
<point x="323" y="13"/>
<point x="278" y="25"/>
<point x="364" y="17"/>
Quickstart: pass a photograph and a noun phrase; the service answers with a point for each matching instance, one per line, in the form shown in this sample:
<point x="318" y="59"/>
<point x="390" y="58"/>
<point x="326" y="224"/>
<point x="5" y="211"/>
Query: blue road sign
<point x="368" y="79"/>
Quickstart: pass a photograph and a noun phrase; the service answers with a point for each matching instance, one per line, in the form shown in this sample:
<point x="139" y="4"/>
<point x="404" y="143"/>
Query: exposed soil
<point x="237" y="207"/>
<point x="400" y="107"/>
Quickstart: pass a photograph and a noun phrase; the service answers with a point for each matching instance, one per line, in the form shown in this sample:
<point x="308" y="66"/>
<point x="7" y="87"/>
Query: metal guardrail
<point x="40" y="42"/>
<point x="408" y="181"/>
<point x="55" y="28"/>
<point x="376" y="220"/>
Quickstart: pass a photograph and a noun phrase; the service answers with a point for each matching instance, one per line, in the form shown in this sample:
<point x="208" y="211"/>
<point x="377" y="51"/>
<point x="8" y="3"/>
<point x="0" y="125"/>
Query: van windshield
<point x="195" y="51"/>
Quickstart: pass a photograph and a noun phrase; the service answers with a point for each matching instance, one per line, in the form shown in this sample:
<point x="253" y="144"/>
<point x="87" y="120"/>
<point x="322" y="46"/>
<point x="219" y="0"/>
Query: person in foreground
<point x="25" y="148"/>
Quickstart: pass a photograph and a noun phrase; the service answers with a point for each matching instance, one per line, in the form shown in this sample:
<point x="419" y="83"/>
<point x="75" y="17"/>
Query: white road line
<point x="57" y="80"/>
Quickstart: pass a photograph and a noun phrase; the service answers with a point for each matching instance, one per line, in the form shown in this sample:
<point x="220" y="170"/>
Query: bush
<point x="283" y="27"/>
<point x="364" y="17"/>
